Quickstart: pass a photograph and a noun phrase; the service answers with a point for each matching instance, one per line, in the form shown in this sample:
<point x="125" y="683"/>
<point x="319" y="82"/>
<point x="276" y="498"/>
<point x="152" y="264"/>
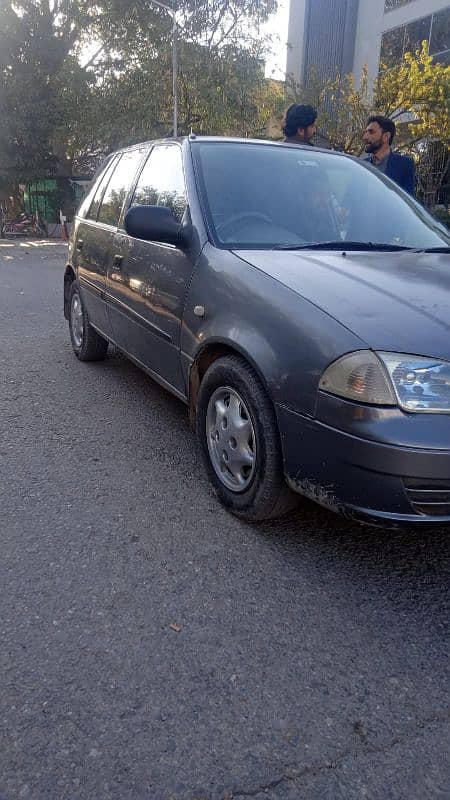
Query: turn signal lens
<point x="358" y="376"/>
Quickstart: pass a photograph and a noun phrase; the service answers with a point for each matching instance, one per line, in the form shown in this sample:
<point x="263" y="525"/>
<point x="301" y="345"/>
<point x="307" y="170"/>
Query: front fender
<point x="287" y="339"/>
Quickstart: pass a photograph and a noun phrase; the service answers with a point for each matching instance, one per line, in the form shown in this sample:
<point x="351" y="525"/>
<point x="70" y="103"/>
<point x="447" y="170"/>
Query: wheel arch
<point x="69" y="277"/>
<point x="206" y="355"/>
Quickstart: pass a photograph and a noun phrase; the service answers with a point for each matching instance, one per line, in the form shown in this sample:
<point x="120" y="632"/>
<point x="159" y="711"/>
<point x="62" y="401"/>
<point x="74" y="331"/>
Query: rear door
<point x="90" y="254"/>
<point x="97" y="240"/>
<point x="147" y="282"/>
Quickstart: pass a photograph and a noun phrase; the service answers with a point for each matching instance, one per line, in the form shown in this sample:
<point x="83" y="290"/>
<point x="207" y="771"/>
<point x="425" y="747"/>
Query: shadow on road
<point x="409" y="568"/>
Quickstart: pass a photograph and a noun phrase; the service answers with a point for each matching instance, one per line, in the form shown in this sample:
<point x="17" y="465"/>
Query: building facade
<point x="330" y="36"/>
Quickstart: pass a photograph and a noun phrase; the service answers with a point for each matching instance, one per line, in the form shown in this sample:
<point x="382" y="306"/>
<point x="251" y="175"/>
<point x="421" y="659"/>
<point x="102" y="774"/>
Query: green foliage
<point x="36" y="39"/>
<point x="59" y="115"/>
<point x="416" y="95"/>
<point x="220" y="66"/>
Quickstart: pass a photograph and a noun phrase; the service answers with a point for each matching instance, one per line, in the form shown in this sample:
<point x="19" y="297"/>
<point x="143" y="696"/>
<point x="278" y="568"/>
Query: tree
<point x="38" y="71"/>
<point x="221" y="66"/>
<point x="58" y="114"/>
<point x="342" y="109"/>
<point x="432" y="166"/>
<point x="416" y="94"/>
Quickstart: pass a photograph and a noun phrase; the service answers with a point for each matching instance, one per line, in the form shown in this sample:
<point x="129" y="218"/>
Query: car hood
<point x="392" y="301"/>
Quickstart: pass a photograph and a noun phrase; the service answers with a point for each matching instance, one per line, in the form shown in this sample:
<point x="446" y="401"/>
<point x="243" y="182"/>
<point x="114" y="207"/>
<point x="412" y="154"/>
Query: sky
<point x="278" y="25"/>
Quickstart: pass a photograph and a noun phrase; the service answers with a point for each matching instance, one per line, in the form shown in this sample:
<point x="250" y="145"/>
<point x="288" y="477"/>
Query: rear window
<point x="118" y="187"/>
<point x="96" y="190"/>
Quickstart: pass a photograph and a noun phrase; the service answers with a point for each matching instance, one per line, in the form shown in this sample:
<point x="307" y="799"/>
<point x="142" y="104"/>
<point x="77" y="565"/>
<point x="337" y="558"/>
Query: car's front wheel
<point x="87" y="344"/>
<point x="240" y="443"/>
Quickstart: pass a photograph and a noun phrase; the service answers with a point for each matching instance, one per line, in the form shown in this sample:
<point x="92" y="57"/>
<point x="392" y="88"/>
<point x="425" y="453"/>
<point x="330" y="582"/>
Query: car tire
<point x="240" y="443"/>
<point x="87" y="344"/>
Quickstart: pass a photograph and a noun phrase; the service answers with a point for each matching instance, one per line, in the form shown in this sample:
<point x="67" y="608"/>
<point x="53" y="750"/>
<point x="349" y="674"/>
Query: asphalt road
<point x="310" y="658"/>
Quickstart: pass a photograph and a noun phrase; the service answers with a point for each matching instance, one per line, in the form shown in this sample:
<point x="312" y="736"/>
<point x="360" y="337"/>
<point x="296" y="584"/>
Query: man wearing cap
<point x="300" y="124"/>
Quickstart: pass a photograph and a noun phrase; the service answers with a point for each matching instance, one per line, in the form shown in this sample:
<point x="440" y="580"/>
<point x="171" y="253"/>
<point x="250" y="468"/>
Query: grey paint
<point x="267" y="322"/>
<point x="290" y="314"/>
<point x="397" y="301"/>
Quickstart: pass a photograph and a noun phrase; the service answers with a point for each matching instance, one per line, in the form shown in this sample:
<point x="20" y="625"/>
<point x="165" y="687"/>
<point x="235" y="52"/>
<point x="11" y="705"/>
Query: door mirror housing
<point x="155" y="224"/>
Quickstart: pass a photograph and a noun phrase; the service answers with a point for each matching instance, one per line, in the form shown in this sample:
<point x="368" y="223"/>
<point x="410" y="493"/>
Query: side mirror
<point x="155" y="224"/>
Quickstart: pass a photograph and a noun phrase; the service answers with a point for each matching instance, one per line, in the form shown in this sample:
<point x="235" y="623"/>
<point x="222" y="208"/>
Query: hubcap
<point x="231" y="439"/>
<point x="76" y="320"/>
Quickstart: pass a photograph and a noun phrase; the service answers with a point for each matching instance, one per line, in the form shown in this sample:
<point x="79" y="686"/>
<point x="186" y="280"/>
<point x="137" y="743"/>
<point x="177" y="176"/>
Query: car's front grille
<point x="430" y="497"/>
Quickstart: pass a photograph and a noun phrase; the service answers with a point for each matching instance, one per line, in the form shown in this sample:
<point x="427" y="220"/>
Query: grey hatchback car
<point x="296" y="300"/>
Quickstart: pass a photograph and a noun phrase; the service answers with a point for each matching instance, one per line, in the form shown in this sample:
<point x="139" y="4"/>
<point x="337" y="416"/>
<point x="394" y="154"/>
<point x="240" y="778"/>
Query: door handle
<point x="80" y="245"/>
<point x="117" y="261"/>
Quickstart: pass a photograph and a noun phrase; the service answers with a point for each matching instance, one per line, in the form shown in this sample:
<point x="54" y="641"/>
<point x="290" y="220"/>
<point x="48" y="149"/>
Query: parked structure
<point x="329" y="36"/>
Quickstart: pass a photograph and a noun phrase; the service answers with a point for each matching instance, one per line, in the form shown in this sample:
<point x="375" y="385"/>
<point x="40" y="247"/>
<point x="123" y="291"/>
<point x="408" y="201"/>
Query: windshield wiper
<point x="342" y="245"/>
<point x="442" y="249"/>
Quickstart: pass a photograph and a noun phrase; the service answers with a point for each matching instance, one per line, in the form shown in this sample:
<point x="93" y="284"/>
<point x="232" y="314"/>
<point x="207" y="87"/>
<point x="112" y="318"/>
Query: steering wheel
<point x="223" y="227"/>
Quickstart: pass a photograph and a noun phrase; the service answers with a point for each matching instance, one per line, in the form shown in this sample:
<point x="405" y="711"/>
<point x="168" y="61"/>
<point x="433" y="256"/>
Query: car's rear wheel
<point x="87" y="344"/>
<point x="240" y="443"/>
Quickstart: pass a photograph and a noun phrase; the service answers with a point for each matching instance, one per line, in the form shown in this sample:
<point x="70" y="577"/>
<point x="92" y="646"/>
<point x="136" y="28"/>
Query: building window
<point x="415" y="33"/>
<point x="443" y="58"/>
<point x="392" y="46"/>
<point x="391" y="4"/>
<point x="440" y="32"/>
<point x="435" y="28"/>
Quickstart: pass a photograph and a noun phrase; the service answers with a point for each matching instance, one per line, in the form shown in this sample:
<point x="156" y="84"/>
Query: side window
<point x="90" y="205"/>
<point x="161" y="182"/>
<point x="118" y="187"/>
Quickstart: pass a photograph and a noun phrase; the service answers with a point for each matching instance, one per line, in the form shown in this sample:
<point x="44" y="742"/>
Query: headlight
<point x="420" y="384"/>
<point x="359" y="376"/>
<point x="415" y="383"/>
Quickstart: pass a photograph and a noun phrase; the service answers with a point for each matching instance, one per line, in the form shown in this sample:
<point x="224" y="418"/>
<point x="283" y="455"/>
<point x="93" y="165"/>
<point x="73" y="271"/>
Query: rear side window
<point x="90" y="205"/>
<point x="118" y="187"/>
<point x="161" y="182"/>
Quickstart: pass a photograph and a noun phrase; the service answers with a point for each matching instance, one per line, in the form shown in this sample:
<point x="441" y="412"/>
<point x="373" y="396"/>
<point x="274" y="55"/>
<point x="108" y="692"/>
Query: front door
<point x="147" y="281"/>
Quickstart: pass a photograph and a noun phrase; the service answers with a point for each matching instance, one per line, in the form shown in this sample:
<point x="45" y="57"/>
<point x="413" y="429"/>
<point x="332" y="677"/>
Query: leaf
<point x="175" y="627"/>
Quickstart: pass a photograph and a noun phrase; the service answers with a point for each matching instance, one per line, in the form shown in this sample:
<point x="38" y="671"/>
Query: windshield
<point x="266" y="196"/>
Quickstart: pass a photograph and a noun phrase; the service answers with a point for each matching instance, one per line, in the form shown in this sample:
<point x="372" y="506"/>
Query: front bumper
<point x="378" y="482"/>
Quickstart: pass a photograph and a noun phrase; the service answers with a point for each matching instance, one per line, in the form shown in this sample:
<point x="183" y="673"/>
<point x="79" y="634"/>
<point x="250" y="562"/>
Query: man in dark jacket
<point x="300" y="124"/>
<point x="378" y="138"/>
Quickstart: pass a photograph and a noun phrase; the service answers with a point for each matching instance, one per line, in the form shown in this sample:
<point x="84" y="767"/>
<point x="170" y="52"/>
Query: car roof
<point x="193" y="137"/>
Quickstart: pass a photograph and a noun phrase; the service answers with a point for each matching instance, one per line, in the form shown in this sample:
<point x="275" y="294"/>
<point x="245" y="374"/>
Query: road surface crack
<point x="340" y="758"/>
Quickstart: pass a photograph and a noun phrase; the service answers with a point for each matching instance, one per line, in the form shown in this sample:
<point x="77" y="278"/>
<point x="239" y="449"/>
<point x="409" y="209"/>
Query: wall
<point x="296" y="34"/>
<point x="371" y="24"/>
